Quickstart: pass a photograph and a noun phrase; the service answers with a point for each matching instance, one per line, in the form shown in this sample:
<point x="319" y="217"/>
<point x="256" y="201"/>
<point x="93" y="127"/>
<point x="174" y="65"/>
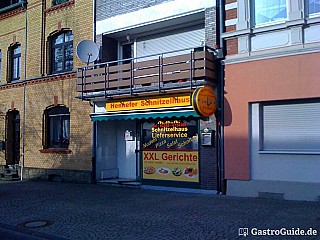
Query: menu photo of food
<point x="176" y="171"/>
<point x="163" y="171"/>
<point x="149" y="170"/>
<point x="190" y="172"/>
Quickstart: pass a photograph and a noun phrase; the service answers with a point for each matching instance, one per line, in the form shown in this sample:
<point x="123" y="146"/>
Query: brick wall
<point x="111" y="8"/>
<point x="208" y="156"/>
<point x="41" y="90"/>
<point x="210" y="27"/>
<point x="231" y="14"/>
<point x="232" y="46"/>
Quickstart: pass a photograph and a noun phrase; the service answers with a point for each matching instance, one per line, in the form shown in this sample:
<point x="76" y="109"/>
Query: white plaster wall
<point x="152" y="14"/>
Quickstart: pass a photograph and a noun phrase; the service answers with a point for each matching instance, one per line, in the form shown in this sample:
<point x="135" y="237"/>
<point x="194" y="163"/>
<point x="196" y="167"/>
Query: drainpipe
<point x="221" y="44"/>
<point x="24" y="5"/>
<point x="94" y="136"/>
<point x="94" y="123"/>
<point x="94" y="20"/>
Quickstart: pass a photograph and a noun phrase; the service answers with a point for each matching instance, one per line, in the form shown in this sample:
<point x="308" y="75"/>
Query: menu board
<point x="170" y="150"/>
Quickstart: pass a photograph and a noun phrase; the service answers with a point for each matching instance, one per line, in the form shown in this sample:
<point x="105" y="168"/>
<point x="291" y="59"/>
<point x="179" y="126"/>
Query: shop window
<point x="290" y="126"/>
<point x="7" y="3"/>
<point x="14" y="63"/>
<point x="170" y="151"/>
<point x="314" y="7"/>
<point x="62" y="52"/>
<point x="269" y="11"/>
<point x="56" y="127"/>
<point x="57" y="2"/>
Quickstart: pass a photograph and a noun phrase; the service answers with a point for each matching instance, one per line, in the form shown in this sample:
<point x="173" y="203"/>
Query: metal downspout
<point x="221" y="44"/>
<point x="94" y="124"/>
<point x="24" y="90"/>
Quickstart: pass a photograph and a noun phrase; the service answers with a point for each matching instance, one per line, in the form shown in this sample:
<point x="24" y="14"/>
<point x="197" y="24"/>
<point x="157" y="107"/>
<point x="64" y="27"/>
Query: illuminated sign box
<point x="149" y="103"/>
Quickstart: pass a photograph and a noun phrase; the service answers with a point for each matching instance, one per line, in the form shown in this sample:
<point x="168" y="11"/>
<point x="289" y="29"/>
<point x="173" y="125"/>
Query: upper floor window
<point x="14" y="63"/>
<point x="56" y="127"/>
<point x="62" y="52"/>
<point x="57" y="2"/>
<point x="269" y="11"/>
<point x="314" y="6"/>
<point x="7" y="3"/>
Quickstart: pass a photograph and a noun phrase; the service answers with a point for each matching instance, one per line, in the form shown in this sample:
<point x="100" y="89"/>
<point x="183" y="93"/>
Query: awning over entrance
<point x="144" y="115"/>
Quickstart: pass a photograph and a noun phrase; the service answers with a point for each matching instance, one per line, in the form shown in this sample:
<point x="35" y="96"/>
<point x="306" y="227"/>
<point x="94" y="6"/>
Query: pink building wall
<point x="291" y="77"/>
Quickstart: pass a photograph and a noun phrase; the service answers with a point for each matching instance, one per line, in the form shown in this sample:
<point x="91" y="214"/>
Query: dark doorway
<point x="127" y="52"/>
<point x="12" y="137"/>
<point x="109" y="49"/>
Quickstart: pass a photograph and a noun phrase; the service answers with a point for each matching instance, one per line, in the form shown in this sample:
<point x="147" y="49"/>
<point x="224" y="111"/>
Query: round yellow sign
<point x="204" y="101"/>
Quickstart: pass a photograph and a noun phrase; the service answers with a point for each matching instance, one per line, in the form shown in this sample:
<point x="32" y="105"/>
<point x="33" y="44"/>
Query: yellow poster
<point x="171" y="165"/>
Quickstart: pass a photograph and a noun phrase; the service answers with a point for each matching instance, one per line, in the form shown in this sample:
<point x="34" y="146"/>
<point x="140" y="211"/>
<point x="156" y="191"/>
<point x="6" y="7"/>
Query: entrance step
<point x="9" y="174"/>
<point x="120" y="182"/>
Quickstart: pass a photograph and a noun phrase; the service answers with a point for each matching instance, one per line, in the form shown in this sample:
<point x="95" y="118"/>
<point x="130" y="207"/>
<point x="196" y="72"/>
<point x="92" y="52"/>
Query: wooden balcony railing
<point x="138" y="75"/>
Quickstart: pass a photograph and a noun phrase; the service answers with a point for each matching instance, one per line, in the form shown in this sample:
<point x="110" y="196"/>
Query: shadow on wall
<point x="227" y="113"/>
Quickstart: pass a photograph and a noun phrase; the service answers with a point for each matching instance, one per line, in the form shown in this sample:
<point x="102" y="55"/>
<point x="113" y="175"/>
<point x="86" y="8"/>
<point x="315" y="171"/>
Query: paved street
<point x="84" y="211"/>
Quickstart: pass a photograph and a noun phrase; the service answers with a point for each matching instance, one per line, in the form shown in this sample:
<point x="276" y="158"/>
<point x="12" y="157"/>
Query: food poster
<point x="170" y="150"/>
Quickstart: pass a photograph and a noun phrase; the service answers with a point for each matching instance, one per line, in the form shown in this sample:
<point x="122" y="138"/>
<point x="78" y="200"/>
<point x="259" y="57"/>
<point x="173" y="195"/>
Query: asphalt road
<point x="84" y="211"/>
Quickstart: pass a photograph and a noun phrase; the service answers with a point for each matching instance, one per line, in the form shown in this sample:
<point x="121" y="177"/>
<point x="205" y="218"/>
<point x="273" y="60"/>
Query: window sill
<point x="287" y="152"/>
<point x="56" y="150"/>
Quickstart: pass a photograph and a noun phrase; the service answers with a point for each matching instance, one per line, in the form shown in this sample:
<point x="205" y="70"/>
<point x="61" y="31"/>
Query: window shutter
<point x="171" y="41"/>
<point x="291" y="127"/>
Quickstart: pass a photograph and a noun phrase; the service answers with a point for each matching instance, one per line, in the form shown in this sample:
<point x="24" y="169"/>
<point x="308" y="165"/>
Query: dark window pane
<point x="56" y="2"/>
<point x="62" y="48"/>
<point x="58" y="127"/>
<point x="55" y="129"/>
<point x="69" y="65"/>
<point x="16" y="62"/>
<point x="68" y="37"/>
<point x="17" y="50"/>
<point x="58" y="39"/>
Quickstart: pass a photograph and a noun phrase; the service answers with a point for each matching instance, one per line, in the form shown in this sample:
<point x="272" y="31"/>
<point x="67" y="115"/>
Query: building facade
<point x="153" y="56"/>
<point x="272" y="98"/>
<point x="45" y="132"/>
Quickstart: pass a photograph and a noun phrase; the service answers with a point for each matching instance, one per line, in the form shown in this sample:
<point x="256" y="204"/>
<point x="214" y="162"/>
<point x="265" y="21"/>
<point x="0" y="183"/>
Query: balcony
<point x="184" y="69"/>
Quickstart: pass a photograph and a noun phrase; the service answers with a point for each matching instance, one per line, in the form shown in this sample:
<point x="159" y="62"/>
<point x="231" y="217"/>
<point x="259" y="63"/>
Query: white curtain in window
<point x="66" y="130"/>
<point x="270" y="11"/>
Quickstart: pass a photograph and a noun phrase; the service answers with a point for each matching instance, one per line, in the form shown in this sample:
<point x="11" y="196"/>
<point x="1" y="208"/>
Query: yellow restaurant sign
<point x="148" y="103"/>
<point x="204" y="101"/>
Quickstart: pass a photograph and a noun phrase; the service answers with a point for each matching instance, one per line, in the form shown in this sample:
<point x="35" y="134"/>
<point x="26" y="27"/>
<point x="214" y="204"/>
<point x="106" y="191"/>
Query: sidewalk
<point x="84" y="211"/>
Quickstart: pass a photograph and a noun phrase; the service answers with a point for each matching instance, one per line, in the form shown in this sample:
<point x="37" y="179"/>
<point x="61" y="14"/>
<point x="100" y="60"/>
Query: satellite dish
<point x="87" y="51"/>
